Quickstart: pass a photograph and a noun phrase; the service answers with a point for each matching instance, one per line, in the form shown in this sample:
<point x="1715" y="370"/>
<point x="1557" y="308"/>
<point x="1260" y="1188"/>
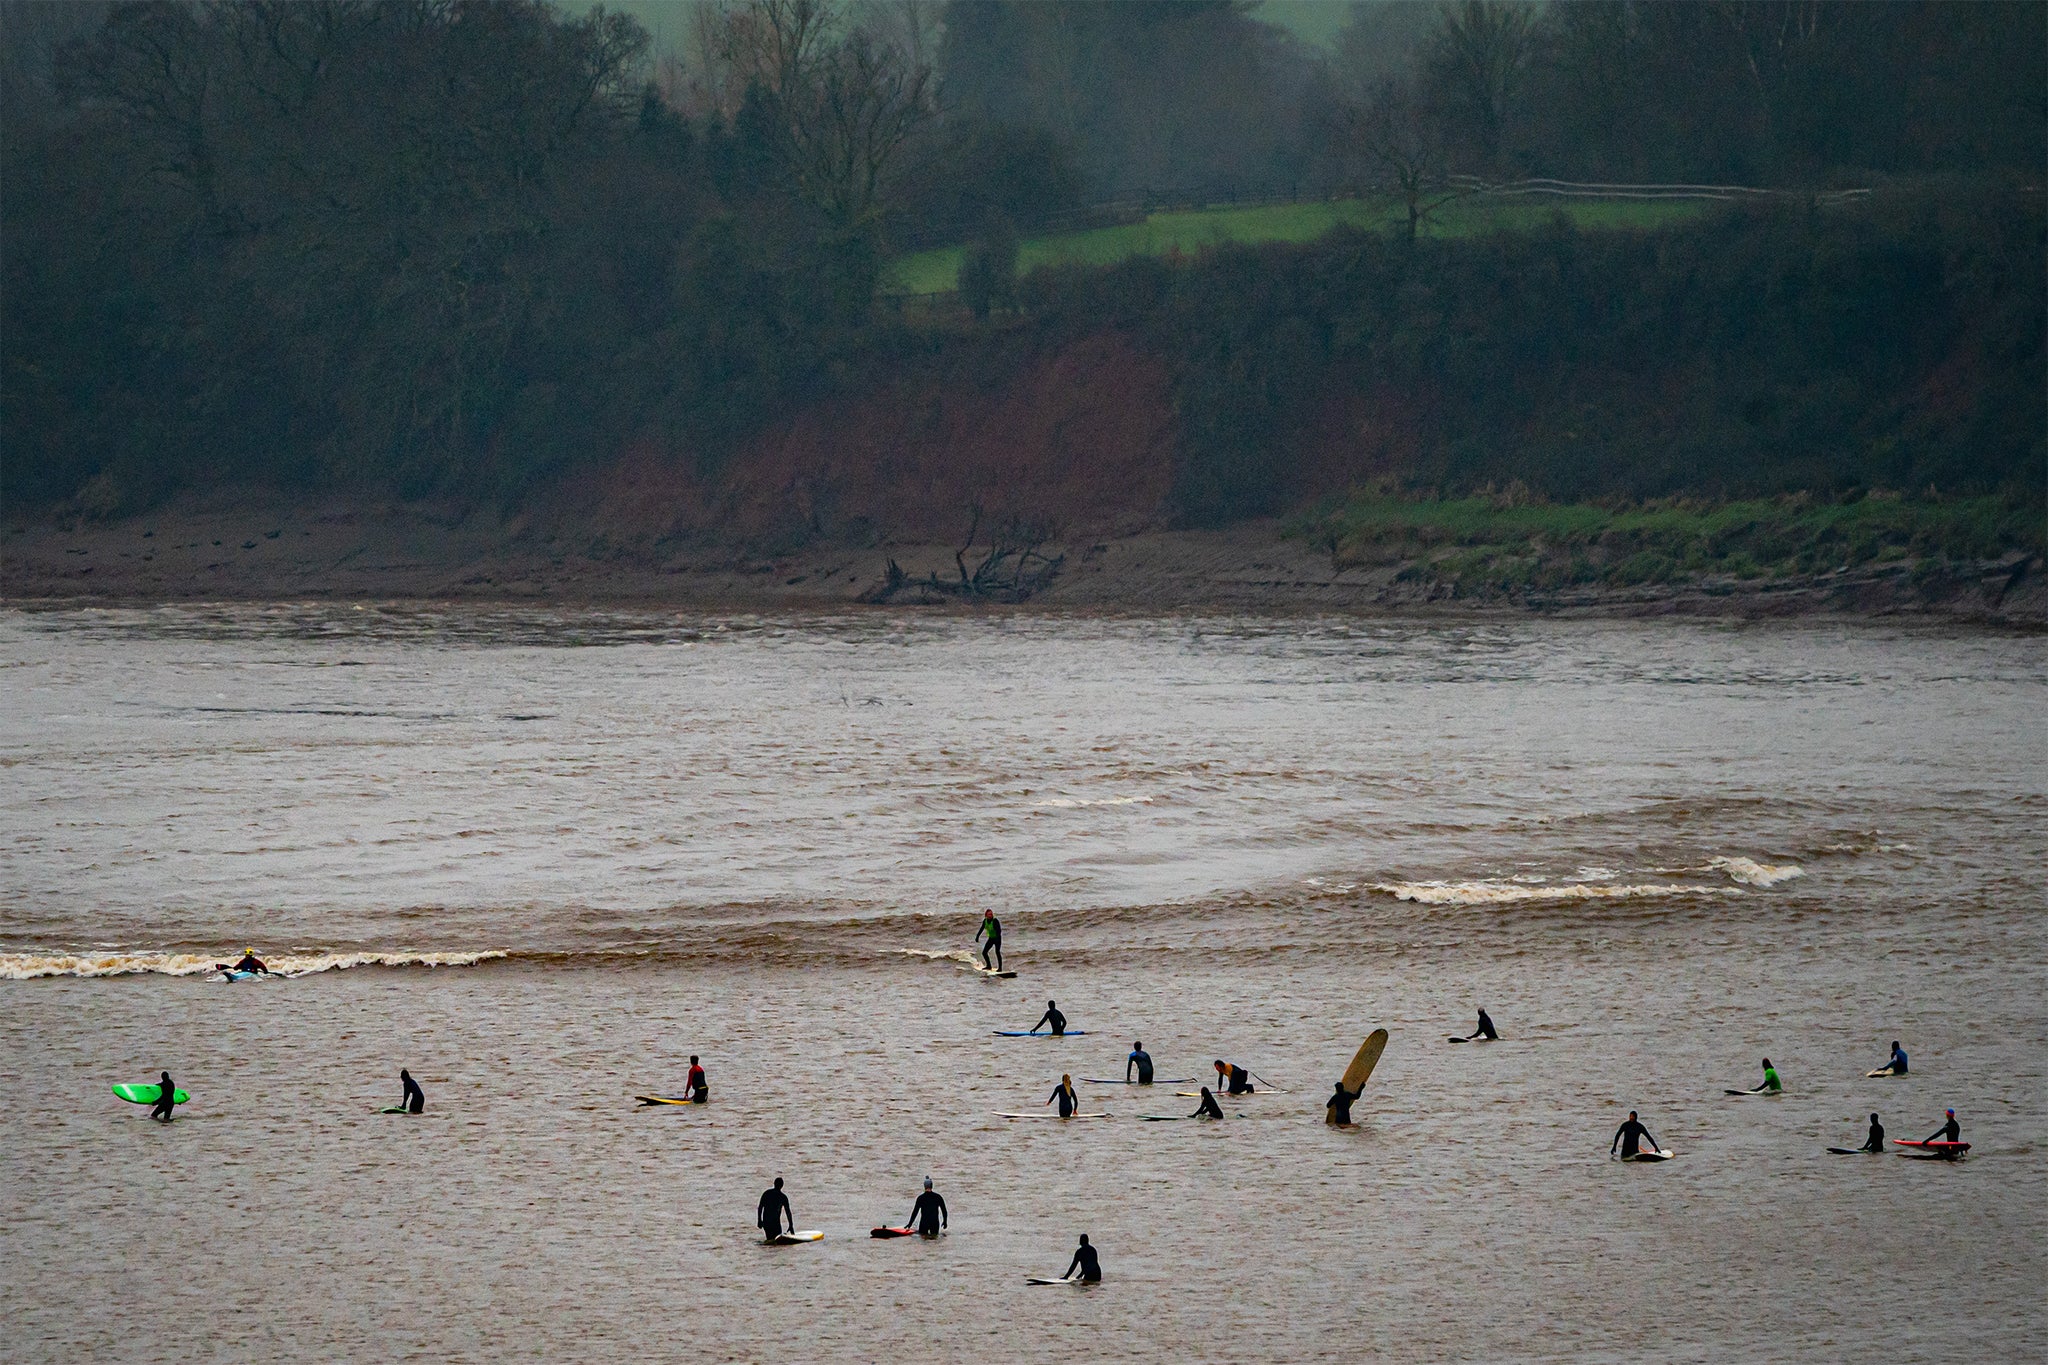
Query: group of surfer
<point x="928" y="1218"/>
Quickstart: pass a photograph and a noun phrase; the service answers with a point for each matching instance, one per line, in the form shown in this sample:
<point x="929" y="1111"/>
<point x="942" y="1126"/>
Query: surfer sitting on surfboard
<point x="993" y="928"/>
<point x="1084" y="1257"/>
<point x="1208" y="1109"/>
<point x="1064" y="1093"/>
<point x="694" y="1089"/>
<point x="1140" y="1059"/>
<point x="1948" y="1132"/>
<point x="1630" y="1136"/>
<point x="771" y="1212"/>
<point x="929" y="1212"/>
<point x="1234" y="1079"/>
<point x="415" y="1099"/>
<point x="1052" y="1017"/>
<point x="1339" y="1105"/>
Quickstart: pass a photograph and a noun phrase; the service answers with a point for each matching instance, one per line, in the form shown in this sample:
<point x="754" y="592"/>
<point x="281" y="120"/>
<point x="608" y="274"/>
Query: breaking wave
<point x="1512" y="893"/>
<point x="117" y="962"/>
<point x="1752" y="873"/>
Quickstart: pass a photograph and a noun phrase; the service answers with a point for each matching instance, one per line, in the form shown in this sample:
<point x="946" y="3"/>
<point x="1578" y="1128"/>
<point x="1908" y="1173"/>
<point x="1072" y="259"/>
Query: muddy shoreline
<point x="343" y="552"/>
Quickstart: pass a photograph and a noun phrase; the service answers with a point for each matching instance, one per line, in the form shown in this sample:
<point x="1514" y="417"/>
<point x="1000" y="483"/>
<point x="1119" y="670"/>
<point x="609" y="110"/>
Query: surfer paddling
<point x="694" y="1088"/>
<point x="1139" y="1061"/>
<point x="928" y="1214"/>
<point x="1630" y="1137"/>
<point x="1064" y="1094"/>
<point x="991" y="929"/>
<point x="773" y="1211"/>
<point x="249" y="963"/>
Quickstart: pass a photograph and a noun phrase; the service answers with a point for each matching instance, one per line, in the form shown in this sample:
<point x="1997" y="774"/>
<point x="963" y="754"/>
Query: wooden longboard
<point x="1360" y="1070"/>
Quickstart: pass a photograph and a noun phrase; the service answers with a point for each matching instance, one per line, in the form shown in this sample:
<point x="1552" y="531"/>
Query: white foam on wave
<point x="117" y="962"/>
<point x="1076" y="802"/>
<point x="1752" y="873"/>
<point x="948" y="955"/>
<point x="1510" y="893"/>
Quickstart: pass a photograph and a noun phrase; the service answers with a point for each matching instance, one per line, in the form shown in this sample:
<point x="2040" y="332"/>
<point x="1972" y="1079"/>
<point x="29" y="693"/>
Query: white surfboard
<point x="792" y="1238"/>
<point x="1003" y="1115"/>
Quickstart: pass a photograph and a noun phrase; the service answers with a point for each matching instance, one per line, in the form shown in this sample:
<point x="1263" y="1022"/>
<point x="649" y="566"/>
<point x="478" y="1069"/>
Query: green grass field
<point x="1191" y="230"/>
<point x="1490" y="544"/>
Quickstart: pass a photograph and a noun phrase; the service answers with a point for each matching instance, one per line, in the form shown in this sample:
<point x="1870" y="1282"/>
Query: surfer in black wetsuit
<point x="1485" y="1029"/>
<point x="773" y="1209"/>
<point x="1234" y="1079"/>
<point x="1053" y="1017"/>
<point x="1630" y="1136"/>
<point x="1875" y="1142"/>
<point x="1339" y="1104"/>
<point x="1084" y="1257"/>
<point x="929" y="1212"/>
<point x="415" y="1099"/>
<point x="1208" y="1109"/>
<point x="1948" y="1132"/>
<point x="992" y="928"/>
<point x="1064" y="1093"/>
<point x="1142" y="1061"/>
<point x="166" y="1099"/>
<point x="694" y="1088"/>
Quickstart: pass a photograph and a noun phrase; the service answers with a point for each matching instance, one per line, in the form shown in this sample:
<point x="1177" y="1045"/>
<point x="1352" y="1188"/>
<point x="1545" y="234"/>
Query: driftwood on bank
<point x="1013" y="568"/>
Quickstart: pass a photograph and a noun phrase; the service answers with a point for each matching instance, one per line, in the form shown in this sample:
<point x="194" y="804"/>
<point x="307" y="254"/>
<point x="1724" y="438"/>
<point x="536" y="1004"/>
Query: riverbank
<point x="256" y="551"/>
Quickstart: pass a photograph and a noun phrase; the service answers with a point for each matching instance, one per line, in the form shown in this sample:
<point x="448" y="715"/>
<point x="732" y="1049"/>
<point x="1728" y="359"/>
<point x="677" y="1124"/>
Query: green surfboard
<point x="146" y="1094"/>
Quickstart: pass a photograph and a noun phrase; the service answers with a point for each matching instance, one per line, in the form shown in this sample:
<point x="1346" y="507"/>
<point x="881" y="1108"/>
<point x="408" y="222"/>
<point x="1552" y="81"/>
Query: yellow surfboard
<point x="1360" y="1070"/>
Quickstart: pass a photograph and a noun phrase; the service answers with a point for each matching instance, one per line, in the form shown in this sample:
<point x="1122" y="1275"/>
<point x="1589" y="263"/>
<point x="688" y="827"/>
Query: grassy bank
<point x="1190" y="230"/>
<point x="1506" y="543"/>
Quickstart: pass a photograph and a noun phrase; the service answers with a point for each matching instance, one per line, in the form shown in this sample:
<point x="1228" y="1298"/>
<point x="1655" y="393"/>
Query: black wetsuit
<point x="1208" y="1109"/>
<point x="1629" y="1136"/>
<point x="1340" y="1104"/>
<point x="1240" y="1081"/>
<point x="1091" y="1268"/>
<point x="415" y="1098"/>
<point x="773" y="1210"/>
<point x="1054" y="1018"/>
<point x="1875" y="1142"/>
<point x="1065" y="1098"/>
<point x="929" y="1213"/>
<point x="993" y="927"/>
<point x="166" y="1100"/>
<point x="1485" y="1029"/>
<point x="1948" y="1132"/>
<point x="1143" y="1061"/>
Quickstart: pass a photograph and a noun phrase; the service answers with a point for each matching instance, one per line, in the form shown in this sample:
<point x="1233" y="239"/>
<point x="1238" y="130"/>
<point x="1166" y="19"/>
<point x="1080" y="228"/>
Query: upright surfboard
<point x="1368" y="1057"/>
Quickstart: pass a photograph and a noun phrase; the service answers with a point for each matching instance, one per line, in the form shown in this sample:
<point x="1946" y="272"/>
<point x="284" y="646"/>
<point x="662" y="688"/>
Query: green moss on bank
<point x="1506" y="543"/>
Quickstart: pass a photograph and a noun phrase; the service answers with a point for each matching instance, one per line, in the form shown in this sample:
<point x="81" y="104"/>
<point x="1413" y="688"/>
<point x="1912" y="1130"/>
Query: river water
<point x="539" y="857"/>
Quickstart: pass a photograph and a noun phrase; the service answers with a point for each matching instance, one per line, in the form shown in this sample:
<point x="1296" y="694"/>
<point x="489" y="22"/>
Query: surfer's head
<point x="927" y="1182"/>
<point x="693" y="1059"/>
<point x="778" y="1182"/>
<point x="1219" y="1064"/>
<point x="1767" y="1063"/>
<point x="1631" y="1114"/>
<point x="1951" y="1113"/>
<point x="1873" y="1118"/>
<point x="1084" y="1239"/>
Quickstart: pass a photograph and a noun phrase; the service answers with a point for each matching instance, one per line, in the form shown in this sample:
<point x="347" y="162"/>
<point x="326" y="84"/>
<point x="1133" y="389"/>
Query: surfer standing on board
<point x="1141" y="1060"/>
<point x="771" y="1212"/>
<point x="1630" y="1136"/>
<point x="694" y="1089"/>
<point x="414" y="1101"/>
<point x="167" y="1099"/>
<point x="1064" y="1093"/>
<point x="1233" y="1078"/>
<point x="1053" y="1018"/>
<point x="992" y="929"/>
<point x="928" y="1214"/>
<point x="1084" y="1257"/>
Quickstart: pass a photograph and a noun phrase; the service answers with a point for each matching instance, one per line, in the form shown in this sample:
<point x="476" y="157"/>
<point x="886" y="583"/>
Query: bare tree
<point x="1478" y="58"/>
<point x="1400" y="139"/>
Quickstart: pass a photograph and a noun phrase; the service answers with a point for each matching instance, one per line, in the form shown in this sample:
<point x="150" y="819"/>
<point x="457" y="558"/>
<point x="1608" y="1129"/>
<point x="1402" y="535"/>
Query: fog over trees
<point x="447" y="246"/>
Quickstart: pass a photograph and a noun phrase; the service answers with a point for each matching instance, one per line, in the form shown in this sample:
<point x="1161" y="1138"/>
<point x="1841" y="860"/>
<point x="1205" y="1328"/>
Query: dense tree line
<point x="1760" y="351"/>
<point x="463" y="245"/>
